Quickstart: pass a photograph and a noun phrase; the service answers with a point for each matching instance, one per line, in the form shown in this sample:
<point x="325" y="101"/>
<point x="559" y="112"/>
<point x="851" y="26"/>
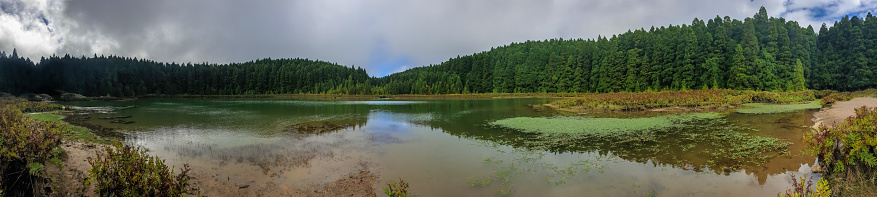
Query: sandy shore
<point x="838" y="112"/>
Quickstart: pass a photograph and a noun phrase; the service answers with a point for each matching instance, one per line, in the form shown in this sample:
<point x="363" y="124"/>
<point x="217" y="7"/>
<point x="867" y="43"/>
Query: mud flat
<point x="839" y="111"/>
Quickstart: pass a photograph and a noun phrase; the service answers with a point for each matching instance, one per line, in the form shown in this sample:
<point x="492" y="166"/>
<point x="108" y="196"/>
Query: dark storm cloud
<point x="379" y="35"/>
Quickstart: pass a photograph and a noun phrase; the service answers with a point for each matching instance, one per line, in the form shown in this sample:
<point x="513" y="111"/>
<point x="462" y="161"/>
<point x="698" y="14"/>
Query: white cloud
<point x="352" y="32"/>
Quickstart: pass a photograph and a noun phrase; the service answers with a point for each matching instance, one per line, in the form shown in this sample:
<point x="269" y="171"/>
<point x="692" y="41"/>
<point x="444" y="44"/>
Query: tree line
<point x="757" y="53"/>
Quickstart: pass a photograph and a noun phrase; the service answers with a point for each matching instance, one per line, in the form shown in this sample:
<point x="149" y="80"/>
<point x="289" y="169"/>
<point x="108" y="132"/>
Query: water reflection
<point x="441" y="147"/>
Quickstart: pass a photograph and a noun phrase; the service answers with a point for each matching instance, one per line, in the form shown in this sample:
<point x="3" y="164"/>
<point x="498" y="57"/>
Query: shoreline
<point x="840" y="111"/>
<point x="478" y="96"/>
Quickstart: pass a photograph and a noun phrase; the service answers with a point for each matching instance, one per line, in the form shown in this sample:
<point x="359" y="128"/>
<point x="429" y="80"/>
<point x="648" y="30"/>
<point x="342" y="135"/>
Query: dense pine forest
<point x="758" y="53"/>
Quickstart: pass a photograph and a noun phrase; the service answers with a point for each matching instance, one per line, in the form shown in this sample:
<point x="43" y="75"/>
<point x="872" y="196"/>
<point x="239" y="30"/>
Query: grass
<point x="596" y="126"/>
<point x="765" y="108"/>
<point x="75" y="133"/>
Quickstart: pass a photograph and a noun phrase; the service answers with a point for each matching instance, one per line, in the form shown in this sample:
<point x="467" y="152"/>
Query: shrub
<point x="125" y="170"/>
<point x="804" y="188"/>
<point x="399" y="189"/>
<point x="836" y="97"/>
<point x="847" y="152"/>
<point x="28" y="106"/>
<point x="851" y="143"/>
<point x="26" y="145"/>
<point x="72" y="97"/>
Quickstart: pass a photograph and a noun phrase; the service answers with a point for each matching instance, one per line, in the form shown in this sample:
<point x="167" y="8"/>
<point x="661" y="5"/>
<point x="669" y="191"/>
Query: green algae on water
<point x="763" y="108"/>
<point x="597" y="126"/>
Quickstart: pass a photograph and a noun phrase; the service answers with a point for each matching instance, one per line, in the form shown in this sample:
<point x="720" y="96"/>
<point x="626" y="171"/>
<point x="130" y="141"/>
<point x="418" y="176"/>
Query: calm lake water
<point x="442" y="148"/>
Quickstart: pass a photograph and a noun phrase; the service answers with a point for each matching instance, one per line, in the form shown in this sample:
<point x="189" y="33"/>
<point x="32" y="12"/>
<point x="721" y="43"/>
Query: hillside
<point x="757" y="53"/>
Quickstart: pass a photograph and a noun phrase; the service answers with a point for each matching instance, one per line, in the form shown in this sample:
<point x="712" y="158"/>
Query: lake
<point x="452" y="147"/>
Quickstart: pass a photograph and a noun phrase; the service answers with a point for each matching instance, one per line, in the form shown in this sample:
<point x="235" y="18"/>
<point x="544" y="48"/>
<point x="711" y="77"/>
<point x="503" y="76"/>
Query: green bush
<point x="29" y="106"/>
<point x="129" y="171"/>
<point x="848" y="151"/>
<point x="836" y="97"/>
<point x="851" y="143"/>
<point x="26" y="145"/>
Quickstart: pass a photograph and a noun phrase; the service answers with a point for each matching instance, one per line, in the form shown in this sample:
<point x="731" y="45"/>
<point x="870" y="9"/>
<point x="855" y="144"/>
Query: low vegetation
<point x="596" y="126"/>
<point x="847" y="153"/>
<point x="125" y="170"/>
<point x="805" y="188"/>
<point x="764" y="108"/>
<point x="31" y="141"/>
<point x="27" y="145"/>
<point x="625" y="101"/>
<point x="74" y="133"/>
<point x="835" y="97"/>
<point x="397" y="189"/>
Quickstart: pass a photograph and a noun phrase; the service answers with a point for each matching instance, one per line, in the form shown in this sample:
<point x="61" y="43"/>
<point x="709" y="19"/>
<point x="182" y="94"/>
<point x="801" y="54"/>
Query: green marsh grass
<point x="597" y="126"/>
<point x="74" y="133"/>
<point x="765" y="108"/>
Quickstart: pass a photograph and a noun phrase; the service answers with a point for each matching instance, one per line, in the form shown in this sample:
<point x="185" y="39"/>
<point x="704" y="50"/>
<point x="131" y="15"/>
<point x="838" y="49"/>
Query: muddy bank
<point x="839" y="111"/>
<point x="69" y="178"/>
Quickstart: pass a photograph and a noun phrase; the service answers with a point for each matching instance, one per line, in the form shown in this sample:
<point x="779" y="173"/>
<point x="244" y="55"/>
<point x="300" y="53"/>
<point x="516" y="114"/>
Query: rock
<point x="816" y="169"/>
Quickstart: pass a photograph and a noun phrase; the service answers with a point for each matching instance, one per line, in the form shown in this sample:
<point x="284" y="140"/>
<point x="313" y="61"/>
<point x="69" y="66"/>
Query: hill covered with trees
<point x="757" y="53"/>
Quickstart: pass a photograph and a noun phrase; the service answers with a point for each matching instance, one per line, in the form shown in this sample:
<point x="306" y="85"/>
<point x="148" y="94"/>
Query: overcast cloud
<point x="382" y="36"/>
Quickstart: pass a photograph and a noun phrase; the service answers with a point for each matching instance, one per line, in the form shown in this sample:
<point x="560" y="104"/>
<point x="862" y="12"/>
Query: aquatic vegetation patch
<point x="765" y="108"/>
<point x="709" y="143"/>
<point x="510" y="165"/>
<point x="597" y="126"/>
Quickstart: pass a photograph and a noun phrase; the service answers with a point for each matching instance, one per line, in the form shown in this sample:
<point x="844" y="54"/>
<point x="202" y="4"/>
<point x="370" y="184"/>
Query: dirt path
<point x="69" y="179"/>
<point x="838" y="112"/>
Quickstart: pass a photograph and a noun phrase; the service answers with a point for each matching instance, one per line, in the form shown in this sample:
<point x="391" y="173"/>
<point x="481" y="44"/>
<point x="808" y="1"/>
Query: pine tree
<point x="798" y="82"/>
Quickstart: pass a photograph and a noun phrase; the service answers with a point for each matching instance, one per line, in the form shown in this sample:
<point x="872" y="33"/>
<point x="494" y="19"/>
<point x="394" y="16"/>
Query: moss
<point x="596" y="126"/>
<point x="764" y="108"/>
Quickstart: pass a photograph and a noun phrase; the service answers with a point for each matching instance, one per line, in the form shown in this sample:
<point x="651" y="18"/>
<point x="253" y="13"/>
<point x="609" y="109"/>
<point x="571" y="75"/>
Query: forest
<point x="757" y="53"/>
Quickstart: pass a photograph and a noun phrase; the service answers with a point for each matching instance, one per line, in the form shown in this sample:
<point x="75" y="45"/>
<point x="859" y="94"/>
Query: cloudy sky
<point x="382" y="36"/>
